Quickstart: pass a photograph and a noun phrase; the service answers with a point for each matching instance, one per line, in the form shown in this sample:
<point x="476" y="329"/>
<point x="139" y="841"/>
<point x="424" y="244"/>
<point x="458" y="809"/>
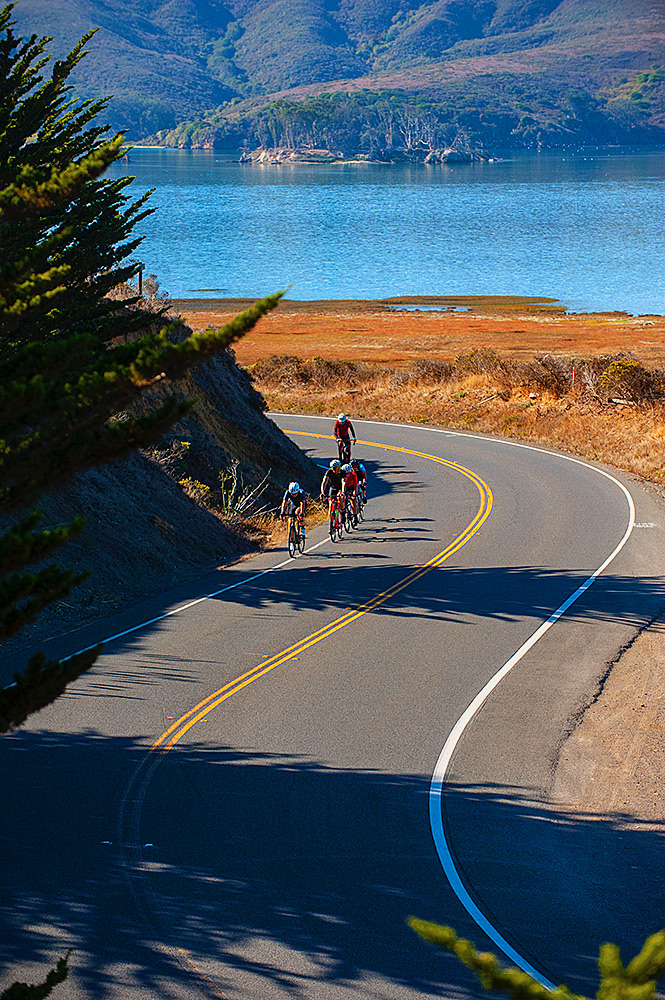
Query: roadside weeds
<point x="609" y="409"/>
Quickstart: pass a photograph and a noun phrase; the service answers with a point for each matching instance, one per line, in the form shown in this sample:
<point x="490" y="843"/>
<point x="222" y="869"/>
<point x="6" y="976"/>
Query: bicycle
<point x="350" y="516"/>
<point x="296" y="539"/>
<point x="361" y="500"/>
<point x="336" y="526"/>
<point x="344" y="449"/>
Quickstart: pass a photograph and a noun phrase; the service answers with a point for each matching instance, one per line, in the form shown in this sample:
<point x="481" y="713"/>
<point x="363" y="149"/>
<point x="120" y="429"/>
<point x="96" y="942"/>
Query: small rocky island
<point x="300" y="154"/>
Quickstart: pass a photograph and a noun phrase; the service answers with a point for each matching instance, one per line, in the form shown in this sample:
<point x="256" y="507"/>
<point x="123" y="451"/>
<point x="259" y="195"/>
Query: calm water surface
<point x="586" y="228"/>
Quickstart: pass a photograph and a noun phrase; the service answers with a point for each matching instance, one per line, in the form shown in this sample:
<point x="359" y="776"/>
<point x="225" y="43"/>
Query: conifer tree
<point x="72" y="359"/>
<point x="636" y="981"/>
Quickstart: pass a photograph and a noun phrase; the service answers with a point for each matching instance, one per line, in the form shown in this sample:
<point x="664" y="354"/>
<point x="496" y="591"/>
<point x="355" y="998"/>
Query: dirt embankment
<point x="153" y="520"/>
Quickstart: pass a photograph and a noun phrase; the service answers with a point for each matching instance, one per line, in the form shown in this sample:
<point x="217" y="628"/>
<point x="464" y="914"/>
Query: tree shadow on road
<point x="339" y="580"/>
<point x="281" y="875"/>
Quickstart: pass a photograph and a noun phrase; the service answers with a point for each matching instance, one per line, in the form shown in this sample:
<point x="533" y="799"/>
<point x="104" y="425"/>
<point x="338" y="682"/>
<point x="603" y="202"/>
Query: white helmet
<point x="342" y="418"/>
<point x="294" y="488"/>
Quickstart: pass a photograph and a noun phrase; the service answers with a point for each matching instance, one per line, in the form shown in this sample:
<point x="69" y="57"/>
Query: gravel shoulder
<point x="613" y="763"/>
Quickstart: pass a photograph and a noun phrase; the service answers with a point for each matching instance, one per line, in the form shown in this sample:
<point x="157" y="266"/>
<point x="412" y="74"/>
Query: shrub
<point x="482" y="361"/>
<point x="430" y="371"/>
<point x="626" y="377"/>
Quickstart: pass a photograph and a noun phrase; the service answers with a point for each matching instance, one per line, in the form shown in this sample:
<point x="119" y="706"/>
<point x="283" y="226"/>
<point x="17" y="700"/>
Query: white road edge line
<point x="191" y="604"/>
<point x="445" y="757"/>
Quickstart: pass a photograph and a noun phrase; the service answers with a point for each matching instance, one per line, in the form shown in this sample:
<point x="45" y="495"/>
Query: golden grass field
<point x="492" y="344"/>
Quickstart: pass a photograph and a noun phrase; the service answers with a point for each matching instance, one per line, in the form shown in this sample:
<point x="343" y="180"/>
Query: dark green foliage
<point x="74" y="361"/>
<point x="39" y="685"/>
<point x="637" y="981"/>
<point x="489" y="111"/>
<point x="23" y="991"/>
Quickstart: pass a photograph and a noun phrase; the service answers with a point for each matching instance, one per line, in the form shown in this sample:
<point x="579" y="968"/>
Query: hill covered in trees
<point x="503" y="70"/>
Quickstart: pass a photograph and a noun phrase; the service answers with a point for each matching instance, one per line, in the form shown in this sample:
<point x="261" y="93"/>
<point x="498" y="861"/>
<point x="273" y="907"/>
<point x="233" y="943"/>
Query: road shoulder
<point x="613" y="762"/>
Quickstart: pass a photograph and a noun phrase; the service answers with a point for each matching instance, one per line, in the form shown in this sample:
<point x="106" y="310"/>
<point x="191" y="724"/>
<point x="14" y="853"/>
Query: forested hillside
<point x="169" y="62"/>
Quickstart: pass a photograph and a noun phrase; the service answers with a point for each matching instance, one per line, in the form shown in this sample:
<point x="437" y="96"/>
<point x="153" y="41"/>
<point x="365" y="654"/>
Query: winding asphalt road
<point x="238" y="802"/>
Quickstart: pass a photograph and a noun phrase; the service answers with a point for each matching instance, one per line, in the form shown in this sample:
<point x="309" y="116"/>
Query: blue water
<point x="587" y="228"/>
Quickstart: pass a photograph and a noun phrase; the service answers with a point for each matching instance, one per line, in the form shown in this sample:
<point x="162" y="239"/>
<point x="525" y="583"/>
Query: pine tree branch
<point x="31" y="192"/>
<point x="74" y="432"/>
<point x="492" y="976"/>
<point x="636" y="982"/>
<point x="23" y="596"/>
<point x="41" y="683"/>
<point x="39" y="991"/>
<point x="20" y="546"/>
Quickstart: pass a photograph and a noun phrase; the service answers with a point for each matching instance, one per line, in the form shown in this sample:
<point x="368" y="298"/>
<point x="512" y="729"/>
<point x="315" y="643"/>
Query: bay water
<point x="584" y="227"/>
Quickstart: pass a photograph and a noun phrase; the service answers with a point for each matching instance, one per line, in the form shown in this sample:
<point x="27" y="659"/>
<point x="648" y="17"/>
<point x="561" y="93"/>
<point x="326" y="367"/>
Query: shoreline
<point x="406" y="303"/>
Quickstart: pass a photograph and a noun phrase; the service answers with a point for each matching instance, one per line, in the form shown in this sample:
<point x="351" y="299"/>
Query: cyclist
<point x="361" y="473"/>
<point x="331" y="484"/>
<point x="295" y="501"/>
<point x="343" y="428"/>
<point x="350" y="488"/>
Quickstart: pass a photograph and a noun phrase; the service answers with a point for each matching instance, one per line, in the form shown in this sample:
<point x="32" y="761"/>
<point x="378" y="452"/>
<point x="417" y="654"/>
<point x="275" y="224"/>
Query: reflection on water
<point x="585" y="228"/>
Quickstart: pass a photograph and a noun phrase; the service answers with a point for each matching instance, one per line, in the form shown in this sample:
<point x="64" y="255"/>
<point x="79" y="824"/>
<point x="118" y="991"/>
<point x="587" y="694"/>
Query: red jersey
<point x="342" y="430"/>
<point x="351" y="481"/>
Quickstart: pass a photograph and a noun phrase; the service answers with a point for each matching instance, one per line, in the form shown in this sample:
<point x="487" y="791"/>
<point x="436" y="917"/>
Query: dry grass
<point x="611" y="411"/>
<point x="378" y="332"/>
<point x="271" y="531"/>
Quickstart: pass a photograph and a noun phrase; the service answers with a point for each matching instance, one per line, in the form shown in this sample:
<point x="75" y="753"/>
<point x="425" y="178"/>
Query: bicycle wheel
<point x="301" y="542"/>
<point x="360" y="509"/>
<point x="348" y="517"/>
<point x="333" y="525"/>
<point x="292" y="538"/>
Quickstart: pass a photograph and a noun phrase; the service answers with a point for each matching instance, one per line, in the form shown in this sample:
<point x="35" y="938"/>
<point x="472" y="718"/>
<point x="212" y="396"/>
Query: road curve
<point x="275" y="838"/>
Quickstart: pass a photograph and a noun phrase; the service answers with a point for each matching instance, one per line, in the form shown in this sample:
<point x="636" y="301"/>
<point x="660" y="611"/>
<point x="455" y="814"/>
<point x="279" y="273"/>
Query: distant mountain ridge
<point x="166" y="61"/>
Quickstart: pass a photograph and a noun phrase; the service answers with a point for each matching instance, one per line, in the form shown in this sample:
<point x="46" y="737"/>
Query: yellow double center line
<point x="130" y="813"/>
<point x="175" y="732"/>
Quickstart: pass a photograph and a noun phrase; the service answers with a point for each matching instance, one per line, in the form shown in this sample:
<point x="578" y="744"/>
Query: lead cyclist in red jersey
<point x="344" y="428"/>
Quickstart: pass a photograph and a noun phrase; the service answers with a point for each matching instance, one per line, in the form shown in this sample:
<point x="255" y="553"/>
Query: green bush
<point x="636" y="981"/>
